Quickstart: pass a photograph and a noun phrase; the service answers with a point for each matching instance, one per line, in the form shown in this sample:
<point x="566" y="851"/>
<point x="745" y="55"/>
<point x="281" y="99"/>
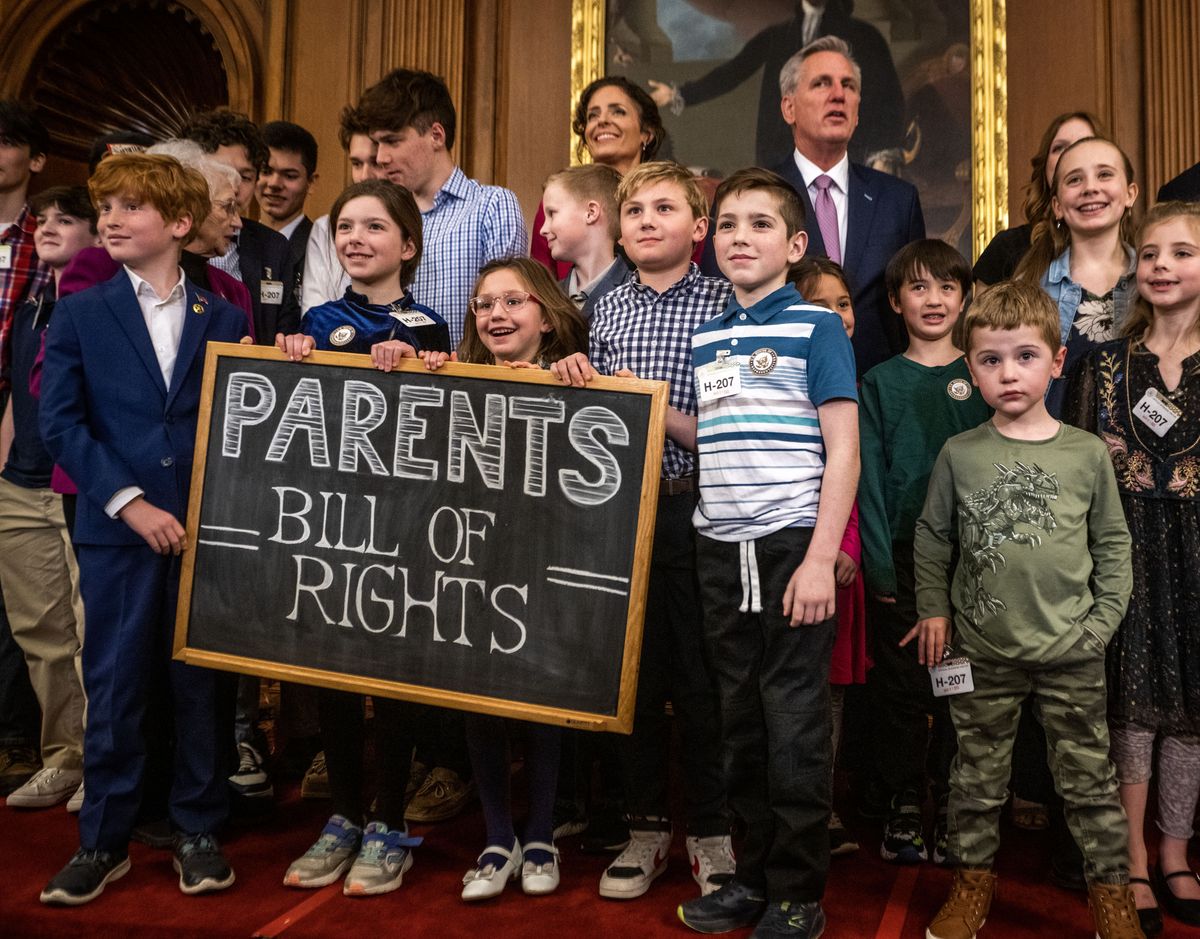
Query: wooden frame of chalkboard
<point x="313" y="463"/>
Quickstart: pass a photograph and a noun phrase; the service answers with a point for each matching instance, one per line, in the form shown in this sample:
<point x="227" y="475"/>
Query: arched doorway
<point x="94" y="66"/>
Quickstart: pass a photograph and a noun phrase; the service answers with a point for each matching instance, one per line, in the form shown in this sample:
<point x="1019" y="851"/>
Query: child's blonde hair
<point x="1012" y="304"/>
<point x="568" y="332"/>
<point x="1141" y="314"/>
<point x="659" y="171"/>
<point x="593" y="182"/>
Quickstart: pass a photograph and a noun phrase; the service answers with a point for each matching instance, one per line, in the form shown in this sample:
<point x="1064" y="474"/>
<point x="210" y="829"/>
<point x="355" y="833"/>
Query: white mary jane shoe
<point x="489" y="881"/>
<point x="540" y="879"/>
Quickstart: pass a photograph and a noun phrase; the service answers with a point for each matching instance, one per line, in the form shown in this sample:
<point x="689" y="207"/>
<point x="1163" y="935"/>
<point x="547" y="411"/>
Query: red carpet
<point x="867" y="899"/>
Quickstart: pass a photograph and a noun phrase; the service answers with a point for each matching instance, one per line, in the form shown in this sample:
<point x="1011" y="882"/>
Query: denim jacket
<point x="1066" y="293"/>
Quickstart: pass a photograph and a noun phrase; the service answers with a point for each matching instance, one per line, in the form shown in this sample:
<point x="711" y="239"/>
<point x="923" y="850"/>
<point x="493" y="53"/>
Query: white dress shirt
<point x="839" y="192"/>
<point x="164" y="323"/>
<point x="324" y="279"/>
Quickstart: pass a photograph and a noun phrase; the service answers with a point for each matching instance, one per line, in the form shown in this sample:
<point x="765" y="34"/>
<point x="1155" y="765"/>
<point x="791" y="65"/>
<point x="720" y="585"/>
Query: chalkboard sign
<point x="475" y="537"/>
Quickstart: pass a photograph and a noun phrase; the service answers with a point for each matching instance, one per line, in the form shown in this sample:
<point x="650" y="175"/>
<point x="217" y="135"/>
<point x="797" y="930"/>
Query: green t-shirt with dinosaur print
<point x="1042" y="545"/>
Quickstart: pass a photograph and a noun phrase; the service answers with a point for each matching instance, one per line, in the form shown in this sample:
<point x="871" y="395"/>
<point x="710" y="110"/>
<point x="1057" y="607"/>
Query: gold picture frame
<point x="989" y="101"/>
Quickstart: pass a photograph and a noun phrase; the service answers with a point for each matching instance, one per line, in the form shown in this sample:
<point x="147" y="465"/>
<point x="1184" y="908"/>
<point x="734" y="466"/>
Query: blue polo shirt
<point x="761" y="451"/>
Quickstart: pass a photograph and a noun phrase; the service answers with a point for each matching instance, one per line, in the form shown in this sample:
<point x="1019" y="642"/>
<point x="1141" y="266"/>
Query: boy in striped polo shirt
<point x="778" y="441"/>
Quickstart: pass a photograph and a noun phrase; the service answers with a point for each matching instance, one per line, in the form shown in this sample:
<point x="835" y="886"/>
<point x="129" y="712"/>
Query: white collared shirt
<point x="164" y="320"/>
<point x="839" y="191"/>
<point x="291" y="226"/>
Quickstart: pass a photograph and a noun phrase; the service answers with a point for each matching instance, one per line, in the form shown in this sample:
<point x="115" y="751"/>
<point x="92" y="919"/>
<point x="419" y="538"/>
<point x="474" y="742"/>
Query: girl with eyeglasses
<point x="519" y="317"/>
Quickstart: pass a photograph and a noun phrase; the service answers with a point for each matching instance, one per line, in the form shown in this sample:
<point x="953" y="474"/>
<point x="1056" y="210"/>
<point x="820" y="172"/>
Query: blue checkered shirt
<point x="469" y="225"/>
<point x="650" y="333"/>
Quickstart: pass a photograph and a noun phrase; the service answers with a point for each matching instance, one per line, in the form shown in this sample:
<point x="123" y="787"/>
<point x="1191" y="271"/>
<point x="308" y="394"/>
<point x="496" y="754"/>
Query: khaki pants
<point x="40" y="581"/>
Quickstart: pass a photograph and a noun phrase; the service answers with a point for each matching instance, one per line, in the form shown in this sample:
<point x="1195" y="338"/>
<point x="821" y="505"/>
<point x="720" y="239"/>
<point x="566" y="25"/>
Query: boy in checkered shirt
<point x="643" y="328"/>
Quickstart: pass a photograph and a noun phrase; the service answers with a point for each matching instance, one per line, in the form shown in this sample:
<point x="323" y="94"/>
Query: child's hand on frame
<point x="435" y="360"/>
<point x="385" y="356"/>
<point x="931" y="634"/>
<point x="295" y="345"/>
<point x="161" y="530"/>
<point x="573" y="370"/>
<point x="810" y="595"/>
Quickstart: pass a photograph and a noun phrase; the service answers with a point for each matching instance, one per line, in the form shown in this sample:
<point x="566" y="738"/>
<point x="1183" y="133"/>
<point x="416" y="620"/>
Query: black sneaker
<point x="569" y="818"/>
<point x="607" y="833"/>
<point x="903" y="841"/>
<point x="791" y="921"/>
<point x="84" y="877"/>
<point x="200" y="865"/>
<point x="733" y="906"/>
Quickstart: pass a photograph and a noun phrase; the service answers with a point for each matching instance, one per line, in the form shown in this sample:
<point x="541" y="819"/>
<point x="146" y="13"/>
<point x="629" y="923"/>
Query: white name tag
<point x="412" y="318"/>
<point x="719" y="379"/>
<point x="1156" y="412"/>
<point x="953" y="676"/>
<point x="271" y="291"/>
<point x="5" y="257"/>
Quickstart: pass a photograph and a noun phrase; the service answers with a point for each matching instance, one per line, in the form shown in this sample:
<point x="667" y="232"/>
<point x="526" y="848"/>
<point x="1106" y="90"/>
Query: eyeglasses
<point x="229" y="207"/>
<point x="510" y="300"/>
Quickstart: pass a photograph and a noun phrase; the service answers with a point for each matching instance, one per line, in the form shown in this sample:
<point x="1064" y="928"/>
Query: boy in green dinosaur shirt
<point x="1041" y="584"/>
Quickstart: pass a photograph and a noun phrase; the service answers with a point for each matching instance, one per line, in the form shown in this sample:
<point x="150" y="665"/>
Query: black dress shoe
<point x="1150" y="918"/>
<point x="1186" y="911"/>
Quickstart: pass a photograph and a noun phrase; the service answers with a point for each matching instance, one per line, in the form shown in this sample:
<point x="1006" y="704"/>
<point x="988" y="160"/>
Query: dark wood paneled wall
<point x="1134" y="62"/>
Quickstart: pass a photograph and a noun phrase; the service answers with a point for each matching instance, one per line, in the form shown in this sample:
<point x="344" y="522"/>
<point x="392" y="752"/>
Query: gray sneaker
<point x="381" y="863"/>
<point x="328" y="858"/>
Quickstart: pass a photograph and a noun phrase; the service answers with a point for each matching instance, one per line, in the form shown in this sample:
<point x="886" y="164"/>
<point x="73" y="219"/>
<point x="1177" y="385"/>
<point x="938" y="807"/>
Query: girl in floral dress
<point x="1141" y="394"/>
<point x="1081" y="253"/>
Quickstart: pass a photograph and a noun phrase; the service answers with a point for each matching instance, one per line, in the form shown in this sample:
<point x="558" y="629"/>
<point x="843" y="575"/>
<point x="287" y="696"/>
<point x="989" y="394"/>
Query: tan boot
<point x="966" y="909"/>
<point x="1114" y="912"/>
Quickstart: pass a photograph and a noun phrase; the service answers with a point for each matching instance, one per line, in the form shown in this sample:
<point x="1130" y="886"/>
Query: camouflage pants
<point x="1069" y="698"/>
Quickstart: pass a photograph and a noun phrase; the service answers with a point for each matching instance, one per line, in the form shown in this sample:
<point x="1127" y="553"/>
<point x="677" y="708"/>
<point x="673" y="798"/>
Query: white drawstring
<point x="751" y="595"/>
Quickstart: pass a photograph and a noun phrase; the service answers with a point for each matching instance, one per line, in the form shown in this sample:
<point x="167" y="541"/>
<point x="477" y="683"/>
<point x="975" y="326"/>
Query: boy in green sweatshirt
<point x="1041" y="583"/>
<point x="910" y="405"/>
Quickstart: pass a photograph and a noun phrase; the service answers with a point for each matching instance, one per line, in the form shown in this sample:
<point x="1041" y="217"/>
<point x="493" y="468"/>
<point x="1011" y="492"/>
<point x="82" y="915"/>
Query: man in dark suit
<point x="854" y="215"/>
<point x="1184" y="187"/>
<point x="283" y="186"/>
<point x="260" y="258"/>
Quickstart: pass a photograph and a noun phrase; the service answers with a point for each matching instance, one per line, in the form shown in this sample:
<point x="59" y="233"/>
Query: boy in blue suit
<point x="120" y="400"/>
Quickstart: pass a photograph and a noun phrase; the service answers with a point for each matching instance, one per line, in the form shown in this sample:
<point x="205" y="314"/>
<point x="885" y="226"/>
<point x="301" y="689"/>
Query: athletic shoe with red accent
<point x="712" y="862"/>
<point x="634" y="869"/>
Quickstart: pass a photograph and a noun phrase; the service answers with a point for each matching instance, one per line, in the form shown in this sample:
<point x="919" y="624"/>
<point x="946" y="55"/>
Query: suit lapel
<point x="861" y="202"/>
<point x="789" y="171"/>
<point x="195" y="326"/>
<point x="122" y="301"/>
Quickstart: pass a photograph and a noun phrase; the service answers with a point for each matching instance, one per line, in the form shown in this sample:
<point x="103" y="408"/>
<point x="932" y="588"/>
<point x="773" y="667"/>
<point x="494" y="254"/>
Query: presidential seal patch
<point x="762" y="361"/>
<point x="959" y="389"/>
<point x="342" y="336"/>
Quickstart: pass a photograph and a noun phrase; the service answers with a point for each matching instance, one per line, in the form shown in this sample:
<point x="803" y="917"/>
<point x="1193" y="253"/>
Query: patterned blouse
<point x="1105" y="391"/>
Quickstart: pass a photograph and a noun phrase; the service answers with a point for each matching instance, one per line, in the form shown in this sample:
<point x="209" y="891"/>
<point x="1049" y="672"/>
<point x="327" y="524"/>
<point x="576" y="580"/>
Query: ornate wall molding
<point x="989" y="97"/>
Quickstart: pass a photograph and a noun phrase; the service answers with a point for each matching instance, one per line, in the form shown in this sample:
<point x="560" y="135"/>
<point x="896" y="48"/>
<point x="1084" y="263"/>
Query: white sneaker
<point x="644" y="858"/>
<point x="251" y="779"/>
<point x="75" y="803"/>
<point x="47" y="787"/>
<point x="712" y="862"/>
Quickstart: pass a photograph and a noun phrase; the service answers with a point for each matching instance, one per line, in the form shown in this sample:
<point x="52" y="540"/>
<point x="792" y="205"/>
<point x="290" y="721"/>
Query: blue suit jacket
<point x="106" y="416"/>
<point x="884" y="214"/>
